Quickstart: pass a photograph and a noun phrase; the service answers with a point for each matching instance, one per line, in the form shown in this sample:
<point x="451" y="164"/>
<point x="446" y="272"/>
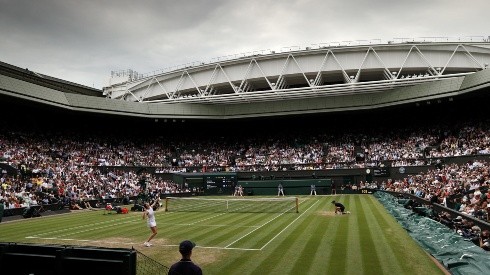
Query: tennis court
<point x="276" y="240"/>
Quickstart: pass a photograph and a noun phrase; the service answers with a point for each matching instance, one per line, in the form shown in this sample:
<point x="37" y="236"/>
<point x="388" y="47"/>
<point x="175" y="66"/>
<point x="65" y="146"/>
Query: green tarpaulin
<point x="458" y="255"/>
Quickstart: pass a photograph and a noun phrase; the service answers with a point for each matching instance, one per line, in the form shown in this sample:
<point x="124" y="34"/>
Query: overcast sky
<point x="82" y="41"/>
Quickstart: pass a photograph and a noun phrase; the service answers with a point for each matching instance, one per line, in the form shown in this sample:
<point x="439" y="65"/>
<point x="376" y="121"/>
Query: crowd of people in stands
<point x="66" y="166"/>
<point x="75" y="187"/>
<point x="463" y="188"/>
<point x="400" y="147"/>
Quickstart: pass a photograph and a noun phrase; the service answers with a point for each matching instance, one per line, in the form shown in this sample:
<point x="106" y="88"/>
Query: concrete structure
<point x="312" y="80"/>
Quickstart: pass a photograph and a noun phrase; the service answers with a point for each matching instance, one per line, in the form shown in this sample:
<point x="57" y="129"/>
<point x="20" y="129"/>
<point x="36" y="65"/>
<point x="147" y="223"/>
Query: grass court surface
<point x="313" y="241"/>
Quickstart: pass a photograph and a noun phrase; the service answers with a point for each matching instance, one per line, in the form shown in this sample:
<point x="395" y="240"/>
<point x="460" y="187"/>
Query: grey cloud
<point x="82" y="41"/>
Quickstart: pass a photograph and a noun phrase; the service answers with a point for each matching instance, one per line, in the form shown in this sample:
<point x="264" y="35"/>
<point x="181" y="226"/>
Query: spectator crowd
<point x="398" y="147"/>
<point x="67" y="167"/>
<point x="463" y="188"/>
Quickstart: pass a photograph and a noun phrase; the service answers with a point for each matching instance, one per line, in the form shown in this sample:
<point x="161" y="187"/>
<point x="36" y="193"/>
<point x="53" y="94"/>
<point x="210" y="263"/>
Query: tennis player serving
<point x="149" y="215"/>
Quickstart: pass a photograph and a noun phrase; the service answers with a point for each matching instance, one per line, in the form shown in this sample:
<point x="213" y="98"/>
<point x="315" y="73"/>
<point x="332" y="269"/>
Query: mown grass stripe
<point x="317" y="243"/>
<point x="230" y="235"/>
<point x="167" y="230"/>
<point x="268" y="230"/>
<point x="95" y="228"/>
<point x="354" y="238"/>
<point x="75" y="224"/>
<point x="235" y="225"/>
<point x="177" y="217"/>
<point x="409" y="255"/>
<point x="313" y="242"/>
<point x="259" y="238"/>
<point x="338" y="260"/>
<point x="324" y="250"/>
<point x="370" y="259"/>
<point x="226" y="236"/>
<point x="285" y="228"/>
<point x="384" y="251"/>
<point x="296" y="237"/>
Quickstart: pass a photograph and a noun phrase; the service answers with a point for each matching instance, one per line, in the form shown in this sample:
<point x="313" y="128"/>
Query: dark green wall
<point x="291" y="187"/>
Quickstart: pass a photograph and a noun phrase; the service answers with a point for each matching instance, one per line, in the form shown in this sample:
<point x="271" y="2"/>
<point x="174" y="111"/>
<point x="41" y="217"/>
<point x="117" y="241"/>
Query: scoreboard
<point x="220" y="183"/>
<point x="211" y="183"/>
<point x="381" y="172"/>
<point x="221" y="180"/>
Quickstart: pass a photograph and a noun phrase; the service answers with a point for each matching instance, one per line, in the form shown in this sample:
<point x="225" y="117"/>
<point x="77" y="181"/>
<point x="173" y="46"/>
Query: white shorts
<point x="152" y="224"/>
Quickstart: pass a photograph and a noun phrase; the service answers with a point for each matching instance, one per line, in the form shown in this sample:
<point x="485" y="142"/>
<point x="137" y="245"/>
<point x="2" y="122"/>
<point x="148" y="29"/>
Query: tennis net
<point x="239" y="205"/>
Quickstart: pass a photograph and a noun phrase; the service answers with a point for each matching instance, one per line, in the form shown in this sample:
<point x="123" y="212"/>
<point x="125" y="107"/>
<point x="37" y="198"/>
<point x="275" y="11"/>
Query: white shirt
<point x="151" y="217"/>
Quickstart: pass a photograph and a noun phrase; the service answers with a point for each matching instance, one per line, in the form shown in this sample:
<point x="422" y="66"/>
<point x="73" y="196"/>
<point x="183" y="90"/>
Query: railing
<point x="315" y="46"/>
<point x="441" y="208"/>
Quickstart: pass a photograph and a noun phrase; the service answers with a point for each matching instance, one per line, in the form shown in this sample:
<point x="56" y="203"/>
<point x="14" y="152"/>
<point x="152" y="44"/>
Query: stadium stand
<point x="54" y="169"/>
<point x="58" y="159"/>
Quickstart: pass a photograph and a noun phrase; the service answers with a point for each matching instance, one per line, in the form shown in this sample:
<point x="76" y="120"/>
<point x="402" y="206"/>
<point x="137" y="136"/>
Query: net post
<point x="166" y="204"/>
<point x="297" y="205"/>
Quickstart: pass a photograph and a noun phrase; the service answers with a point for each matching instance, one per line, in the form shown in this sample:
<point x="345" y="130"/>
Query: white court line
<point x="208" y="225"/>
<point x="86" y="230"/>
<point x="254" y="230"/>
<point x="91" y="228"/>
<point x="261" y="227"/>
<point x="37" y="236"/>
<point x="212" y="217"/>
<point x="288" y="226"/>
<point x="78" y="240"/>
<point x="133" y="243"/>
<point x="85" y="225"/>
<point x="110" y="223"/>
<point x="229" y="248"/>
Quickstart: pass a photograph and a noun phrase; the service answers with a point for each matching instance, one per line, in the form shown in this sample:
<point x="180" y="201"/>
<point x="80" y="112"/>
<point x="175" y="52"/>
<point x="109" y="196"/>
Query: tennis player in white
<point x="149" y="215"/>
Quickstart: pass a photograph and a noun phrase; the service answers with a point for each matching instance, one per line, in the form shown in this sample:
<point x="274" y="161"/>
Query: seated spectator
<point x="74" y="206"/>
<point x="485" y="240"/>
